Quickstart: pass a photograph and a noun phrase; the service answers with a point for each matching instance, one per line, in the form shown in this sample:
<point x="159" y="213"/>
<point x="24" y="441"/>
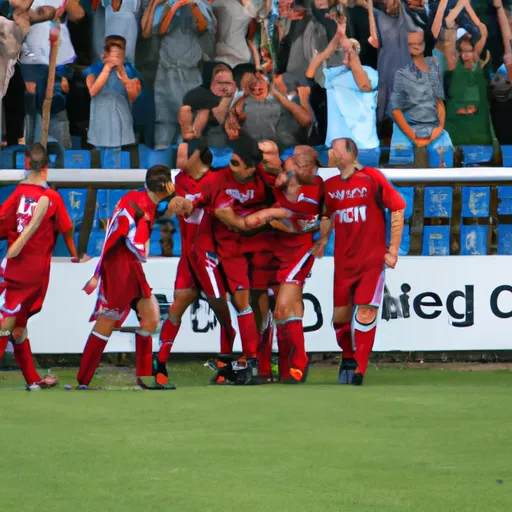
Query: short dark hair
<point x="247" y="149"/>
<point x="37" y="157"/>
<point x="157" y="178"/>
<point x="351" y="147"/>
<point x="240" y="70"/>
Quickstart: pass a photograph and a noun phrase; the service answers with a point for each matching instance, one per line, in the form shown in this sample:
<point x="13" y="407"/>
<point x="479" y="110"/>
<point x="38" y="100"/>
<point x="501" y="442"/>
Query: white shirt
<point x="38" y="40"/>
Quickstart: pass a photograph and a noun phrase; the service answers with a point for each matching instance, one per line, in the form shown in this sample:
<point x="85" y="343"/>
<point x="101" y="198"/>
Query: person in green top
<point x="467" y="109"/>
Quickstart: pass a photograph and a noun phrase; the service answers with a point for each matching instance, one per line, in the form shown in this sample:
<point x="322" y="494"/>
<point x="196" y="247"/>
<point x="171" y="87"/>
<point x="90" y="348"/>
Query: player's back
<point x="35" y="257"/>
<point x="357" y="210"/>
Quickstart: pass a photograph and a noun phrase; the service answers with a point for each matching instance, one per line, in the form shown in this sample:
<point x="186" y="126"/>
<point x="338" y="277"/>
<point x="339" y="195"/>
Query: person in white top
<point x="35" y="59"/>
<point x="12" y="35"/>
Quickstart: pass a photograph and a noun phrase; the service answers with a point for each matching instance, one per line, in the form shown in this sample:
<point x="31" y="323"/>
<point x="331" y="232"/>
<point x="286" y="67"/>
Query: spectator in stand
<point x="166" y="238"/>
<point x="204" y="113"/>
<point x="116" y="17"/>
<point x="233" y="20"/>
<point x="280" y="113"/>
<point x="35" y="61"/>
<point x="417" y="106"/>
<point x="181" y="23"/>
<point x="351" y="94"/>
<point x="113" y="85"/>
<point x="243" y="75"/>
<point x="12" y="35"/>
<point x="467" y="107"/>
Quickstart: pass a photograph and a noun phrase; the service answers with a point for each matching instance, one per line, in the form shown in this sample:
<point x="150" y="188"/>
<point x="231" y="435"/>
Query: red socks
<point x="25" y="360"/>
<point x="265" y="352"/>
<point x="3" y="345"/>
<point x="364" y="344"/>
<point x="167" y="336"/>
<point x="91" y="357"/>
<point x="298" y="356"/>
<point x="344" y="339"/>
<point x="284" y="351"/>
<point x="227" y="339"/>
<point x="248" y="333"/>
<point x="143" y="354"/>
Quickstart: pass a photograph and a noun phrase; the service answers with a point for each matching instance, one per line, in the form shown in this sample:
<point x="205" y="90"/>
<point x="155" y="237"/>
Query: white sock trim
<point x="100" y="336"/>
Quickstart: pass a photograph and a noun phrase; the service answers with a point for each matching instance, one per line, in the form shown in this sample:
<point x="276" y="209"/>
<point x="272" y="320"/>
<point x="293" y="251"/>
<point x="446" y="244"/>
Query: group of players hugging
<point x="248" y="236"/>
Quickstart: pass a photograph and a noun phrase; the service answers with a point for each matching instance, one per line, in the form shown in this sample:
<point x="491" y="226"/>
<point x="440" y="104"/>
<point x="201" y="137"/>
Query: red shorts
<point x="264" y="268"/>
<point x="21" y="301"/>
<point x="200" y="270"/>
<point x="122" y="282"/>
<point x="295" y="264"/>
<point x="364" y="288"/>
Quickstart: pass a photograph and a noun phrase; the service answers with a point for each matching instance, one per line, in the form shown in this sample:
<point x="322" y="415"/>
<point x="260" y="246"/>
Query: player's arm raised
<point x="41" y="208"/>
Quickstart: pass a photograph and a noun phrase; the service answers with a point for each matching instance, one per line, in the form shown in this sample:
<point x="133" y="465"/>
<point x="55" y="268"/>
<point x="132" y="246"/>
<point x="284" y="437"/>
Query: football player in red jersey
<point x="355" y="203"/>
<point x="194" y="272"/>
<point x="30" y="219"/>
<point x="120" y="278"/>
<point x="237" y="200"/>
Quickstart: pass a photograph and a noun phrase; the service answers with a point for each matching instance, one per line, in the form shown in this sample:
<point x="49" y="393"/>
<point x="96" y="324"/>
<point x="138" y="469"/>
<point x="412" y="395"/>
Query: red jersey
<point x="304" y="213"/>
<point x="128" y="231"/>
<point x="356" y="207"/>
<point x="34" y="260"/>
<point x="222" y="190"/>
<point x="193" y="190"/>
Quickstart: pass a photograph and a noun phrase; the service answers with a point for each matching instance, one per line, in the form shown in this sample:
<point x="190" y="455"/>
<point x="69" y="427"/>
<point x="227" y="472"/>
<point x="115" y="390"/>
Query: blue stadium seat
<point x="474" y="155"/>
<point x="438" y="202"/>
<point x="506" y="151"/>
<point x="475" y="201"/>
<point x="154" y="248"/>
<point x="143" y="156"/>
<point x="505" y="239"/>
<point x="505" y="200"/>
<point x="106" y="201"/>
<point x="60" y="247"/>
<point x="95" y="244"/>
<point x="155" y="233"/>
<point x="77" y="159"/>
<point x="401" y="156"/>
<point x="7" y="156"/>
<point x="163" y="157"/>
<point x="221" y="157"/>
<point x="20" y="160"/>
<point x="369" y="157"/>
<point x="405" y="243"/>
<point x="408" y="195"/>
<point x="3" y="249"/>
<point x="473" y="240"/>
<point x="124" y="162"/>
<point x="436" y="241"/>
<point x="5" y="192"/>
<point x="76" y="142"/>
<point x="74" y="200"/>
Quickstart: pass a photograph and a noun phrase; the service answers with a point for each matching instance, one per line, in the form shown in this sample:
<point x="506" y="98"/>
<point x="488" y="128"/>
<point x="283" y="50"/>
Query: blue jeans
<point x="400" y="142"/>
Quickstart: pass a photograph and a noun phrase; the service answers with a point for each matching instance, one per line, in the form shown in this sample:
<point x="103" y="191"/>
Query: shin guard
<point x="344" y="339"/>
<point x="143" y="354"/>
<point x="25" y="360"/>
<point x="248" y="333"/>
<point x="283" y="345"/>
<point x="91" y="357"/>
<point x="265" y="351"/>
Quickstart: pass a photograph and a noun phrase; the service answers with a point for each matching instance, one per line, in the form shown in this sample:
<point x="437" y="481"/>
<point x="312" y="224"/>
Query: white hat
<point x="461" y="33"/>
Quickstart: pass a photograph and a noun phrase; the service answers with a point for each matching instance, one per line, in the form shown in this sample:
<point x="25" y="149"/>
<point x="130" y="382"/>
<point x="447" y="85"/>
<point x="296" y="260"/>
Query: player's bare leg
<point x="342" y="323"/>
<point x="23" y="354"/>
<point x="183" y="299"/>
<point x="288" y="317"/>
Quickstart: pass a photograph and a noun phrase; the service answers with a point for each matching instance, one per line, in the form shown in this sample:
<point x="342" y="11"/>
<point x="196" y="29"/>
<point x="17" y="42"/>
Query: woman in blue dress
<point x="113" y="85"/>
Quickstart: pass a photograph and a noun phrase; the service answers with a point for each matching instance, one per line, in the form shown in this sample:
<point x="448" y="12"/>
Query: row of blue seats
<point x="438" y="203"/>
<point x="81" y="159"/>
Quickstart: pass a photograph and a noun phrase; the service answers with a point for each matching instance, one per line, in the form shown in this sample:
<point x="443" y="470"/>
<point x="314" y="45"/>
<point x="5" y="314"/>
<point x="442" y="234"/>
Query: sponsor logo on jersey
<point x="349" y="194"/>
<point x="192" y="197"/>
<point x="240" y="196"/>
<point x="353" y="214"/>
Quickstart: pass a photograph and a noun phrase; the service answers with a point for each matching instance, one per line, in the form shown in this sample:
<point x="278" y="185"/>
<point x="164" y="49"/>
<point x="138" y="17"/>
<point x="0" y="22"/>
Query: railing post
<point x="89" y="212"/>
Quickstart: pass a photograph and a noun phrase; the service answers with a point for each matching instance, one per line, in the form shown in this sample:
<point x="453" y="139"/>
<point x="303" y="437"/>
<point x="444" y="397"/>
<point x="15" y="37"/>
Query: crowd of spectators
<point x="399" y="74"/>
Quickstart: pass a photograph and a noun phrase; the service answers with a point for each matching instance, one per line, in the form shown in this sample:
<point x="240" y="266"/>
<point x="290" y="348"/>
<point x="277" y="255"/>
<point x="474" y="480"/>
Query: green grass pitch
<point x="408" y="440"/>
